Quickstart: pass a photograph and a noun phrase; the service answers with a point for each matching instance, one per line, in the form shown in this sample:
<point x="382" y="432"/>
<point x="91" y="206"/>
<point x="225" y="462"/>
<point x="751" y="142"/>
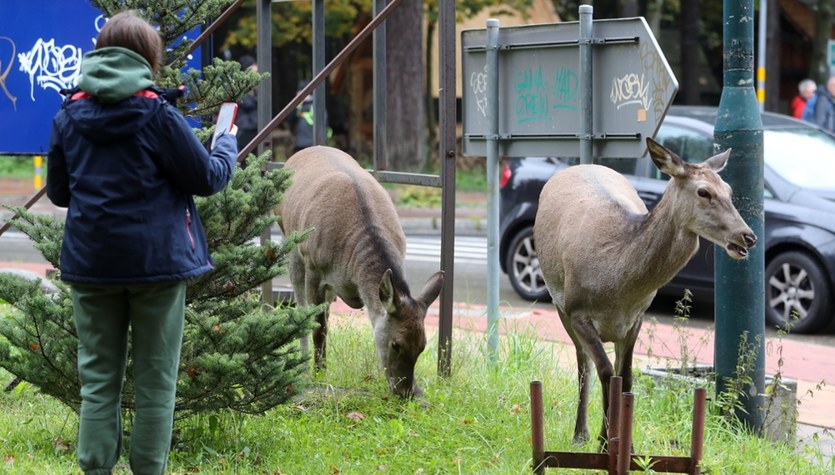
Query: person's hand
<point x="234" y="130"/>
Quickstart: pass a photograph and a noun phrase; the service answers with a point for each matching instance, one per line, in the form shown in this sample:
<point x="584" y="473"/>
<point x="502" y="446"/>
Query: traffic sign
<point x="539" y="79"/>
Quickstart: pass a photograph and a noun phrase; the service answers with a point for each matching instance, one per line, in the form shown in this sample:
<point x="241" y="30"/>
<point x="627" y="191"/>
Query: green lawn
<point x="475" y="422"/>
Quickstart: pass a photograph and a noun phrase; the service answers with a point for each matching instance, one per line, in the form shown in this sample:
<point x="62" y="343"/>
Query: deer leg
<point x="623" y="359"/>
<point x="316" y="295"/>
<point x="581" y="429"/>
<point x="593" y="346"/>
<point x="623" y="356"/>
<point x="297" y="280"/>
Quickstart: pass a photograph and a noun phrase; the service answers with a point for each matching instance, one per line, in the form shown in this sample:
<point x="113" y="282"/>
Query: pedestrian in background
<point x="301" y="122"/>
<point x="126" y="164"/>
<point x="805" y="89"/>
<point x="824" y="109"/>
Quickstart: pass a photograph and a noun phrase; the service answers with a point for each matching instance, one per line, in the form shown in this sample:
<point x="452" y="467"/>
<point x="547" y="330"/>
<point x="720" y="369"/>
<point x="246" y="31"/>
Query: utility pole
<point x="740" y="294"/>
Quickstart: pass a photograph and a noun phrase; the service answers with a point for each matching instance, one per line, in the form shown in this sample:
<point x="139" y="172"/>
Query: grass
<point x="18" y="166"/>
<point x="477" y="421"/>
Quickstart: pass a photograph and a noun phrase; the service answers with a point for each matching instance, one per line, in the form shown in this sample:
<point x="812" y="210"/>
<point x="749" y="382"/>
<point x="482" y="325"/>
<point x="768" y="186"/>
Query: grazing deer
<point x="356" y="252"/>
<point x="603" y="256"/>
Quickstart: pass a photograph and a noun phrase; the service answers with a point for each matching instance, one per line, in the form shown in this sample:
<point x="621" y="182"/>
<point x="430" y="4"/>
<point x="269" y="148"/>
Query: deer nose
<point x="750" y="239"/>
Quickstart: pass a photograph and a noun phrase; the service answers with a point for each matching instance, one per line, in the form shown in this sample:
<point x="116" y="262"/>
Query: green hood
<point x="113" y="73"/>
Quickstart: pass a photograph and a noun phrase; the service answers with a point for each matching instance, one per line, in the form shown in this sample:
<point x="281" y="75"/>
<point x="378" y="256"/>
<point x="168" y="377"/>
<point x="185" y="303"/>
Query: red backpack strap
<point x="81" y="95"/>
<point x="147" y="93"/>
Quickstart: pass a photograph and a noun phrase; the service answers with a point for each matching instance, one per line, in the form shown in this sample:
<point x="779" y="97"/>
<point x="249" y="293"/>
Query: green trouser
<point x="155" y="314"/>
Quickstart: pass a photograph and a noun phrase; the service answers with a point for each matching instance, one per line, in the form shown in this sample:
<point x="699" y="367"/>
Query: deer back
<point x="357" y="250"/>
<point x="357" y="234"/>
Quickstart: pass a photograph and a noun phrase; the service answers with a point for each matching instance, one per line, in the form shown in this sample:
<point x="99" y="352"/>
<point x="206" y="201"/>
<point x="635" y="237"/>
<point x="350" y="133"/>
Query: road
<point x="423" y="256"/>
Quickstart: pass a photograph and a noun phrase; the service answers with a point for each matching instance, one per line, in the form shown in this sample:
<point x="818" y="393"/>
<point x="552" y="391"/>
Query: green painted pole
<point x="740" y="305"/>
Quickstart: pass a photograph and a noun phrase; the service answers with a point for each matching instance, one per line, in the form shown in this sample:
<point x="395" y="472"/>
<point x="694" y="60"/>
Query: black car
<point x="799" y="234"/>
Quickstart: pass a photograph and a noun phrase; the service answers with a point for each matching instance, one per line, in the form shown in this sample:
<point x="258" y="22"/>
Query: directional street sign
<point x="539" y="77"/>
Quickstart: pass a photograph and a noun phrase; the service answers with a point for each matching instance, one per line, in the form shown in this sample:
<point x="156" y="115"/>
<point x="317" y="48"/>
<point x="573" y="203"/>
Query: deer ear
<point x="665" y="159"/>
<point x="431" y="289"/>
<point x="718" y="162"/>
<point x="387" y="293"/>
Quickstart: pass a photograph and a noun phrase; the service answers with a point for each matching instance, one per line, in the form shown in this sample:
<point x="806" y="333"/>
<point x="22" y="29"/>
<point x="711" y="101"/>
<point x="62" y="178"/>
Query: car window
<point x="625" y="166"/>
<point x="687" y="144"/>
<point x="805" y="157"/>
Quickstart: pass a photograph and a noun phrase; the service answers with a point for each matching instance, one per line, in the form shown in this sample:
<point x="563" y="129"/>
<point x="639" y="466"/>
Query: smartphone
<point x="225" y="120"/>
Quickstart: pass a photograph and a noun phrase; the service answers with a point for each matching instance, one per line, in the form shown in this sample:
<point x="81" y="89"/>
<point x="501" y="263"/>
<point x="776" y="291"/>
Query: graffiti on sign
<point x="531" y="96"/>
<point x="630" y="89"/>
<point x="478" y="83"/>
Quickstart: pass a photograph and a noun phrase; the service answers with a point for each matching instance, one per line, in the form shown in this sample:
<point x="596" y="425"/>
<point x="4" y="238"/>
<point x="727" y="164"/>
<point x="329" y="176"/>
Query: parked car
<point x="799" y="205"/>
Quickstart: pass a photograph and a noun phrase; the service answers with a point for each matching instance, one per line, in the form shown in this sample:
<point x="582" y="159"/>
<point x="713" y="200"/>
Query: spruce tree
<point x="238" y="352"/>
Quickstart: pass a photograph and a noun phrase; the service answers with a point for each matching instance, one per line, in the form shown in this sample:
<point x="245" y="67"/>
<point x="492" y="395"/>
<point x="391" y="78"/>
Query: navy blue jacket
<point x="127" y="171"/>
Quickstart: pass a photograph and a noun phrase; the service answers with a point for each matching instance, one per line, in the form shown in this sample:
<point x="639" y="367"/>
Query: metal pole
<point x="585" y="80"/>
<point x="537" y="429"/>
<point x="761" y="28"/>
<point x="493" y="188"/>
<point x="319" y="115"/>
<point x="380" y="90"/>
<point x="739" y="303"/>
<point x="263" y="55"/>
<point x="447" y="154"/>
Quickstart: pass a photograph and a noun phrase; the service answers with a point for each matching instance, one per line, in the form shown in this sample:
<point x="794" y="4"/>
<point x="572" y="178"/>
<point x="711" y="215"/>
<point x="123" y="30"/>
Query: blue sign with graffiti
<point x="41" y="46"/>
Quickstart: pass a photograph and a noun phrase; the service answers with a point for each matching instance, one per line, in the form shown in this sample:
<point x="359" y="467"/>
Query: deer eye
<point x="395" y="346"/>
<point x="704" y="193"/>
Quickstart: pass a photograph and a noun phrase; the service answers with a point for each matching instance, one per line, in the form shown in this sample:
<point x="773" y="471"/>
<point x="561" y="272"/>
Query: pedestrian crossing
<point x="468" y="249"/>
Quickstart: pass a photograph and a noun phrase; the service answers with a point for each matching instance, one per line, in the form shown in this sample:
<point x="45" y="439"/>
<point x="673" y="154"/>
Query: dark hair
<point x="128" y="30"/>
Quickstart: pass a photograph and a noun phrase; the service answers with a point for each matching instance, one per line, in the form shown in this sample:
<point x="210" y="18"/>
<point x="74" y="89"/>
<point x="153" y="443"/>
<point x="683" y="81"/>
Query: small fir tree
<point x="238" y="352"/>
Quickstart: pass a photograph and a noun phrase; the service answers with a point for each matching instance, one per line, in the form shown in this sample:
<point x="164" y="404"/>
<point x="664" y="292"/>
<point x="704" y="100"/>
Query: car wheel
<point x="523" y="267"/>
<point x="797" y="297"/>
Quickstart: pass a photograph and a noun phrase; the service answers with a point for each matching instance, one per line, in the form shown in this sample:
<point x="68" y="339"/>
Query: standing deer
<point x="603" y="256"/>
<point x="356" y="252"/>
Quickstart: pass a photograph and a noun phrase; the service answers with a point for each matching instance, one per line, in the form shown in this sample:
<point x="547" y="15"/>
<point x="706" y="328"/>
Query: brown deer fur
<point x="356" y="252"/>
<point x="604" y="256"/>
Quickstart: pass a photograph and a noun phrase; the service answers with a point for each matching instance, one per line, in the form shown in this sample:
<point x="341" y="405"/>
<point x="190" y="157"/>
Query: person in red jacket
<point x="126" y="164"/>
<point x="805" y="89"/>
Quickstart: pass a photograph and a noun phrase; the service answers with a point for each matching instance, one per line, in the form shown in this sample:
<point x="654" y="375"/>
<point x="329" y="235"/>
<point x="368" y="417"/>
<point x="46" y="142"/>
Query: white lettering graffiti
<point x="630" y="89"/>
<point x="478" y="83"/>
<point x="4" y="73"/>
<point x="51" y="66"/>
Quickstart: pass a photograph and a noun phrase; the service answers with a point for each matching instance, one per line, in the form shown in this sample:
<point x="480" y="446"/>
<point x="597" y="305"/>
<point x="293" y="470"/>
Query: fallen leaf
<point x="60" y="444"/>
<point x="334" y="471"/>
<point x="355" y="416"/>
<point x="8" y="459"/>
<point x="516" y="409"/>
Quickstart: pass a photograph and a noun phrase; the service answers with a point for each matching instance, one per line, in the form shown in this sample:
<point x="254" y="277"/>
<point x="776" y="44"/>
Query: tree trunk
<point x="405" y="119"/>
<point x="772" y="57"/>
<point x="689" y="47"/>
<point x="818" y="68"/>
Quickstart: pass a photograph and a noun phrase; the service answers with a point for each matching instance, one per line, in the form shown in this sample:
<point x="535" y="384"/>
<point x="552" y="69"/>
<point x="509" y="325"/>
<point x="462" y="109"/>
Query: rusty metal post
<point x="613" y="420"/>
<point x="698" y="433"/>
<point x="625" y="452"/>
<point x="537" y="434"/>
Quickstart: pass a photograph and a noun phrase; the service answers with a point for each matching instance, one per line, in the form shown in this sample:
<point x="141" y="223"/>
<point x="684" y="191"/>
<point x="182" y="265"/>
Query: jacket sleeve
<point x="57" y="177"/>
<point x="186" y="160"/>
